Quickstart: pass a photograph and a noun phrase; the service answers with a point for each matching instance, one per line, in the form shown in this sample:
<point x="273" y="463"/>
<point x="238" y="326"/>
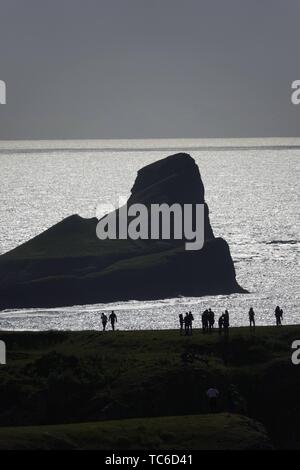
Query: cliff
<point x="68" y="264"/>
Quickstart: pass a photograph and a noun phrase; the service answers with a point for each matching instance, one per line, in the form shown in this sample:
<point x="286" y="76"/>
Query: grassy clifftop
<point x="78" y="377"/>
<point x="222" y="431"/>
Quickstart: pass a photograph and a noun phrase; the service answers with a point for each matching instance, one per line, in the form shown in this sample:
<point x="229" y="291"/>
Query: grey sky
<point x="149" y="68"/>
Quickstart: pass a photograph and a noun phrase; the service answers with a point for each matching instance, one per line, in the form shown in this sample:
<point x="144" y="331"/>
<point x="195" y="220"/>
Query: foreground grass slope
<point x="77" y="377"/>
<point x="204" y="432"/>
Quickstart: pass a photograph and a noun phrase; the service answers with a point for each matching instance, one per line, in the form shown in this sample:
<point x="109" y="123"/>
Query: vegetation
<point x="201" y="432"/>
<point x="56" y="378"/>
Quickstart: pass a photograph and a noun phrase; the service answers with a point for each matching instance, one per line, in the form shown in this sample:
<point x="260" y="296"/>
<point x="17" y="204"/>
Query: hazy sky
<point x="149" y="68"/>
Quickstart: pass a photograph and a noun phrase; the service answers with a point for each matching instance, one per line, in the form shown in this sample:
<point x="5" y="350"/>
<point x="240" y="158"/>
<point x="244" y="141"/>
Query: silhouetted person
<point x="211" y="319"/>
<point x="186" y="321"/>
<point x="181" y="323"/>
<point x="220" y="324"/>
<point x="278" y="315"/>
<point x="212" y="394"/>
<point x="191" y="319"/>
<point x="104" y="320"/>
<point x="226" y="322"/>
<point x="113" y="319"/>
<point x="251" y="317"/>
<point x="204" y="320"/>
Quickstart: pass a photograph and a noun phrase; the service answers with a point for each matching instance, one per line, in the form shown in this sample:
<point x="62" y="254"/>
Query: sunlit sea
<point x="251" y="187"/>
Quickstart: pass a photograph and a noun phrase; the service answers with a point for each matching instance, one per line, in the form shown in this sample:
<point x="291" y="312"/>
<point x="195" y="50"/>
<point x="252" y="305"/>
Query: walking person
<point x="251" y="317"/>
<point x="113" y="319"/>
<point x="213" y="394"/>
<point x="181" y="323"/>
<point x="104" y="320"/>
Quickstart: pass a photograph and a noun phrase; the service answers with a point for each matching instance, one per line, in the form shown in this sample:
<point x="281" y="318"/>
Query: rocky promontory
<point x="68" y="264"/>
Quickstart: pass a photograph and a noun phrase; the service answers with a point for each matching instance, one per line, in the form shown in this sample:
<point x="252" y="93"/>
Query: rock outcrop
<point x="67" y="264"/>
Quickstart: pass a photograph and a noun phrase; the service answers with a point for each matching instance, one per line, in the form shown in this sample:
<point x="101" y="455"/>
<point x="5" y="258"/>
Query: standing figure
<point x="113" y="319"/>
<point x="191" y="319"/>
<point x="226" y="322"/>
<point x="278" y="315"/>
<point x="186" y="321"/>
<point x="212" y="394"/>
<point x="251" y="317"/>
<point x="211" y="319"/>
<point x="204" y="320"/>
<point x="220" y="324"/>
<point x="104" y="320"/>
<point x="181" y="322"/>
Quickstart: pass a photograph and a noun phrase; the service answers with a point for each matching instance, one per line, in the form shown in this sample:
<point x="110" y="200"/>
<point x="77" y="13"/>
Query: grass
<point x="57" y="378"/>
<point x="221" y="431"/>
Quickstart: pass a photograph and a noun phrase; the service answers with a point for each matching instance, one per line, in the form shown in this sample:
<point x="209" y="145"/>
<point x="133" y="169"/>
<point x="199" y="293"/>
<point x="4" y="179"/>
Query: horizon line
<point x="165" y="144"/>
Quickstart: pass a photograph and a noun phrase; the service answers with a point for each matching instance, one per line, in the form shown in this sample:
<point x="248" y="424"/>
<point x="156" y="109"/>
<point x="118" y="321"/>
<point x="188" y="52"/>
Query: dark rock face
<point x="67" y="264"/>
<point x="175" y="179"/>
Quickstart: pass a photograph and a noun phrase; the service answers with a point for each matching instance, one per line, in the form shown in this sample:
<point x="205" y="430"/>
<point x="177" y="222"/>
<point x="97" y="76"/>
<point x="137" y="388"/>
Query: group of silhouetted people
<point x="223" y="322"/>
<point x="186" y="323"/>
<point x="112" y="318"/>
<point x="208" y="321"/>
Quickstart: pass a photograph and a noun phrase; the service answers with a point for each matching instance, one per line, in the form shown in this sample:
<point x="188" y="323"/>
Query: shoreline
<point x="196" y="330"/>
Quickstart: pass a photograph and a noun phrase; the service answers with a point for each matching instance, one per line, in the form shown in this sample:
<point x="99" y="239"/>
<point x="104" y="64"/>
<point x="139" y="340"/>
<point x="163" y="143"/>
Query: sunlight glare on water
<point x="253" y="197"/>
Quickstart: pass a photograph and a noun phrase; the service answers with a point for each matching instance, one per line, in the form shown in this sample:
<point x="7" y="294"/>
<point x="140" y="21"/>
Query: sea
<point x="252" y="190"/>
